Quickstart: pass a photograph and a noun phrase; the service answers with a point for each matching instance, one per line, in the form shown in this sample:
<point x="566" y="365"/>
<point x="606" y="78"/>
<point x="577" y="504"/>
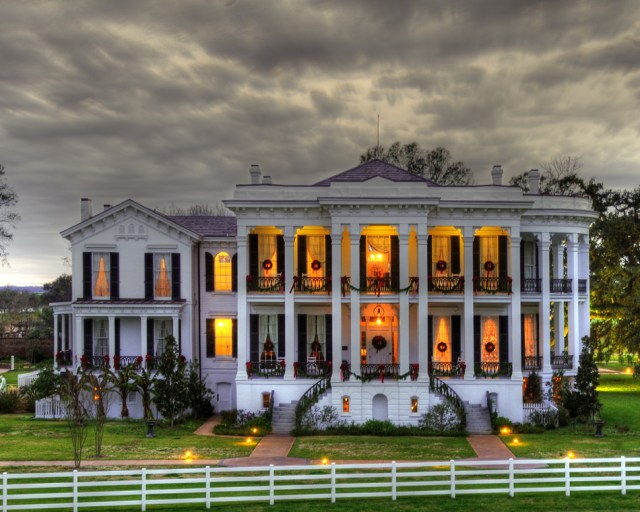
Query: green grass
<point x="24" y="438"/>
<point x="12" y="376"/>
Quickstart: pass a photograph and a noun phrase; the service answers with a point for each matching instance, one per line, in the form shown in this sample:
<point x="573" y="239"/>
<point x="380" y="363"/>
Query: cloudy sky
<point x="170" y="102"/>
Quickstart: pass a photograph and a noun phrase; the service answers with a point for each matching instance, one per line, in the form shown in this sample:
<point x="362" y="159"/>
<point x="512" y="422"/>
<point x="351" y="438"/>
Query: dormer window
<point x="162" y="275"/>
<point x="101" y="275"/>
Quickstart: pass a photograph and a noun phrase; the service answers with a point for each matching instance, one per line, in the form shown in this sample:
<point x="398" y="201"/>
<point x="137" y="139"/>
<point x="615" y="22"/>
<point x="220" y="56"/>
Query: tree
<point x="145" y="382"/>
<point x="199" y="394"/>
<point x="436" y="165"/>
<point x="8" y="217"/>
<point x="171" y="390"/>
<point x="58" y="290"/>
<point x="98" y="382"/>
<point x="582" y="402"/>
<point x="123" y="380"/>
<point x="560" y="176"/>
<point x="73" y="393"/>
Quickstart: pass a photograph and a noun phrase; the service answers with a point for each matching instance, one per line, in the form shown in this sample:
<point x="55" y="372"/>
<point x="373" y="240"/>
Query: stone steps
<point x="478" y="419"/>
<point x="283" y="418"/>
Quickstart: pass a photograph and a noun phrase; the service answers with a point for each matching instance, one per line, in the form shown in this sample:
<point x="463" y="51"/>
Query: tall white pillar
<point x="467" y="328"/>
<point x="63" y="342"/>
<point x="143" y="336"/>
<point x="56" y="341"/>
<point x="175" y="331"/>
<point x="243" y="309"/>
<point x="423" y="304"/>
<point x="516" y="307"/>
<point x="583" y="249"/>
<point x="544" y="327"/>
<point x="336" y="300"/>
<point x="574" y="341"/>
<point x="354" y="239"/>
<point x="289" y="305"/>
<point x="112" y="339"/>
<point x="558" y="315"/>
<point x="78" y="338"/>
<point x="403" y="324"/>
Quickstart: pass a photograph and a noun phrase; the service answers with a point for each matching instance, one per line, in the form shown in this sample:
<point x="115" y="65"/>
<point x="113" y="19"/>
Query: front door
<point x="223" y="396"/>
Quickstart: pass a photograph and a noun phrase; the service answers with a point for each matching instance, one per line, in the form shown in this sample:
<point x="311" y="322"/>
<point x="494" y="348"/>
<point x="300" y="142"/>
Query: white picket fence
<point x="209" y="486"/>
<point x="51" y="408"/>
<point x="26" y="379"/>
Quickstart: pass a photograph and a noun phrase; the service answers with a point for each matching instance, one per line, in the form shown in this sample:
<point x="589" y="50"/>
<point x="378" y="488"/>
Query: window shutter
<point x="178" y="336"/>
<point x="329" y="338"/>
<point x="430" y="339"/>
<point x="395" y="261"/>
<point x="280" y="254"/>
<point x="281" y="337"/>
<point x="302" y="338"/>
<point x="208" y="272"/>
<point x="302" y="255"/>
<point x="117" y="340"/>
<point x="86" y="276"/>
<point x="363" y="262"/>
<point x="455" y="254"/>
<point x="175" y="276"/>
<point x="477" y="340"/>
<point x="253" y="257"/>
<point x="429" y="255"/>
<point x="150" y="334"/>
<point x="504" y="339"/>
<point x="328" y="261"/>
<point x="503" y="261"/>
<point x="234" y="338"/>
<point x="254" y="342"/>
<point x="114" y="258"/>
<point x="523" y="248"/>
<point x="476" y="256"/>
<point x="234" y="273"/>
<point x="537" y="259"/>
<point x="148" y="277"/>
<point x="456" y="337"/>
<point x="211" y="337"/>
<point x="88" y="337"/>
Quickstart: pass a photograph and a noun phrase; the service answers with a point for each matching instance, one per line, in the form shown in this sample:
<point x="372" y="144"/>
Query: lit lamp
<point x="378" y="311"/>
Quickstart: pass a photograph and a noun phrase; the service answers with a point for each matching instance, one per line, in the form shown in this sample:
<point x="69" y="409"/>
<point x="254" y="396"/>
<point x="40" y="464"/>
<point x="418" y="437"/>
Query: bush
<point x="497" y="422"/>
<point x="563" y="416"/>
<point x="241" y="423"/>
<point x="319" y="419"/>
<point x="528" y="428"/>
<point x="10" y="400"/>
<point x="441" y="418"/>
<point x="200" y="395"/>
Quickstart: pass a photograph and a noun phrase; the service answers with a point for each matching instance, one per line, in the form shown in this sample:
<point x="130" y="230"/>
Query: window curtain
<point x="267" y="251"/>
<point x="441" y="251"/>
<point x="101" y="274"/>
<point x="101" y="338"/>
<point x="316" y="325"/>
<point x="490" y="341"/>
<point x="162" y="267"/>
<point x="489" y="252"/>
<point x="268" y="325"/>
<point x="529" y="259"/>
<point x="442" y="334"/>
<point x="163" y="329"/>
<point x="316" y="251"/>
<point x="530" y="338"/>
<point x="378" y="255"/>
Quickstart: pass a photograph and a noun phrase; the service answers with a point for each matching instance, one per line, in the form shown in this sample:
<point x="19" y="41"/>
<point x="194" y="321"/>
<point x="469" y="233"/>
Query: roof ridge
<point x="372" y="169"/>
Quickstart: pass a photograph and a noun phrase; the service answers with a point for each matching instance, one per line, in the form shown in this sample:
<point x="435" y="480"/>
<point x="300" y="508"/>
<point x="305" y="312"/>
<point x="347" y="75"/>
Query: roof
<point x="205" y="225"/>
<point x="373" y="169"/>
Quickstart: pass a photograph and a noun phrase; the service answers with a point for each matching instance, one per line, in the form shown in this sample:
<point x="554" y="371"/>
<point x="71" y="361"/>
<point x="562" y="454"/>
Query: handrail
<point x="311" y="397"/>
<point x="440" y="387"/>
<point x="270" y="410"/>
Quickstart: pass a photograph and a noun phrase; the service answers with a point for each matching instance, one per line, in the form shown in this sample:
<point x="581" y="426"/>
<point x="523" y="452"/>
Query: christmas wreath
<point x="379" y="343"/>
<point x="489" y="347"/>
<point x="442" y="346"/>
<point x="441" y="265"/>
<point x="316" y="265"/>
<point x="489" y="266"/>
<point x="267" y="264"/>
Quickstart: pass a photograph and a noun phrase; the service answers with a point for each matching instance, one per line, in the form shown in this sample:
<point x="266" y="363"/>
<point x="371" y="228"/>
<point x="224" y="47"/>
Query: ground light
<point x="571" y="455"/>
<point x="505" y="430"/>
<point x="515" y="441"/>
<point x="254" y="430"/>
<point x="628" y="371"/>
<point x="188" y="456"/>
<point x="325" y="461"/>
<point x="249" y="440"/>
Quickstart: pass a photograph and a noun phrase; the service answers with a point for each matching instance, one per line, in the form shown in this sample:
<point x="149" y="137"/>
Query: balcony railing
<point x="492" y="284"/>
<point x="266" y="369"/>
<point x="582" y="286"/>
<point x="310" y="284"/>
<point x="64" y="358"/>
<point x="381" y="284"/>
<point x="94" y="361"/>
<point x="310" y="370"/>
<point x="491" y="369"/>
<point x="443" y="369"/>
<point x="532" y="363"/>
<point x="531" y="285"/>
<point x="272" y="284"/>
<point x="562" y="362"/>
<point x="561" y="286"/>
<point x="379" y="371"/>
<point x="446" y="284"/>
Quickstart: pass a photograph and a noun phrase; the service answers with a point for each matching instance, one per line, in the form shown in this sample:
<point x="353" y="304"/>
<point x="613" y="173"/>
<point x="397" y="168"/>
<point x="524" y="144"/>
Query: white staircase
<point x="283" y="418"/>
<point x="478" y="419"/>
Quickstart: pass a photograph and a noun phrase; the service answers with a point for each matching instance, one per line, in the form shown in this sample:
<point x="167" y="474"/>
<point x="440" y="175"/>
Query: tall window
<point x="100" y="337"/>
<point x="529" y="259"/>
<point x="530" y="336"/>
<point x="100" y="274"/>
<point x="441" y="253"/>
<point x="163" y="328"/>
<point x="316" y="255"/>
<point x="378" y="256"/>
<point x="268" y="256"/>
<point x="316" y="337"/>
<point x="489" y="256"/>
<point x="268" y="337"/>
<point x="441" y="339"/>
<point x="222" y="272"/>
<point x="224" y="337"/>
<point x="490" y="340"/>
<point x="162" y="275"/>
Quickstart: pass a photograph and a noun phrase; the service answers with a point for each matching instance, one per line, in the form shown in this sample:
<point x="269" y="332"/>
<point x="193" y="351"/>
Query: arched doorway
<point x="380" y="407"/>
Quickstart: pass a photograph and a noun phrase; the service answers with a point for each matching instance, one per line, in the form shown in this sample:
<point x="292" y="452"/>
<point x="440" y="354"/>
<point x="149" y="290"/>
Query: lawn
<point x="24" y="438"/>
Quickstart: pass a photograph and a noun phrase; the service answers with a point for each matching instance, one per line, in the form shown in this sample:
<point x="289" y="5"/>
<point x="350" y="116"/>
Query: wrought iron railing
<point x="94" y="361"/>
<point x="310" y="284"/>
<point x="265" y="369"/>
<point x="561" y="286"/>
<point x="532" y="363"/>
<point x="390" y="371"/>
<point x="272" y="284"/>
<point x="311" y="397"/>
<point x="440" y="387"/>
<point x="311" y="369"/>
<point x="381" y="284"/>
<point x="492" y="284"/>
<point x="562" y="362"/>
<point x="582" y="286"/>
<point x="443" y="369"/>
<point x="446" y="284"/>
<point x="64" y="358"/>
<point x="529" y="285"/>
<point x="124" y="361"/>
<point x="492" y="369"/>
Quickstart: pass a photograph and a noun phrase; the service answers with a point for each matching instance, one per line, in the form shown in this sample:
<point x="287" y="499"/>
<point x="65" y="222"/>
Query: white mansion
<point x="375" y="276"/>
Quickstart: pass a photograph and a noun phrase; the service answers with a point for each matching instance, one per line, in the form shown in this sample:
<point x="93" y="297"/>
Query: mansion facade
<point x="374" y="278"/>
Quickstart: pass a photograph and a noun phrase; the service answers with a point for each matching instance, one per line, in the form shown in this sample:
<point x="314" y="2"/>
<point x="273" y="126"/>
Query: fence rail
<point x="51" y="408"/>
<point x="216" y="486"/>
<point x="26" y="379"/>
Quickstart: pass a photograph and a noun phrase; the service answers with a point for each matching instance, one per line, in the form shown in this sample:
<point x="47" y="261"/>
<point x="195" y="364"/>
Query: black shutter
<point x="254" y="342"/>
<point x="253" y="257"/>
<point x="504" y="339"/>
<point x="88" y="337"/>
<point x="150" y="325"/>
<point x="476" y="256"/>
<point x="430" y="339"/>
<point x="302" y="255"/>
<point x="86" y="276"/>
<point x="114" y="261"/>
<point x="363" y="262"/>
<point x="234" y="338"/>
<point x="148" y="276"/>
<point x="456" y="338"/>
<point x="178" y="336"/>
<point x="281" y="336"/>
<point x="522" y="354"/>
<point x="302" y="338"/>
<point x="477" y="354"/>
<point x="523" y="249"/>
<point x="234" y="273"/>
<point x="455" y="254"/>
<point x="175" y="276"/>
<point x="211" y="337"/>
<point x="328" y="261"/>
<point x="329" y="337"/>
<point x="208" y="272"/>
<point x="280" y="254"/>
<point x="537" y="259"/>
<point x="429" y="255"/>
<point x="117" y="339"/>
<point x="395" y="261"/>
<point x="503" y="260"/>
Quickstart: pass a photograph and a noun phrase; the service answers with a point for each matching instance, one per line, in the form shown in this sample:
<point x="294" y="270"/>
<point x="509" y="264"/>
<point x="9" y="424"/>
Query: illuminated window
<point x="441" y="249"/>
<point x="162" y="328"/>
<point x="101" y="269"/>
<point x="162" y="275"/>
<point x="224" y="337"/>
<point x="490" y="340"/>
<point x="489" y="256"/>
<point x="530" y="336"/>
<point x="268" y="255"/>
<point x="345" y="404"/>
<point x="266" y="399"/>
<point x="100" y="338"/>
<point x="316" y="255"/>
<point x="414" y="404"/>
<point x="316" y="336"/>
<point x="441" y="340"/>
<point x="222" y="272"/>
<point x="378" y="256"/>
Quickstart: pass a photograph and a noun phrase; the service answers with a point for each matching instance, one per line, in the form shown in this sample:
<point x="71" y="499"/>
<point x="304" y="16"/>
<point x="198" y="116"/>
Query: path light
<point x="325" y="461"/>
<point x="628" y="371"/>
<point x="254" y="430"/>
<point x="571" y="455"/>
<point x="188" y="456"/>
<point x="516" y="440"/>
<point x="505" y="430"/>
<point x="248" y="440"/>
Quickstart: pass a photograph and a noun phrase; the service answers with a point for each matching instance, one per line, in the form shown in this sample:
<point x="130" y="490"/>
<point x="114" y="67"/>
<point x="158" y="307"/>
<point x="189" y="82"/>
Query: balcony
<point x="380" y="285"/>
<point x="492" y="285"/>
<point x="311" y="370"/>
<point x="562" y="362"/>
<point x="532" y="363"/>
<point x="370" y="372"/>
<point x="265" y="369"/>
<point x="446" y="284"/>
<point x="582" y="286"/>
<point x="272" y="284"/>
<point x="531" y="285"/>
<point x="442" y="369"/>
<point x="491" y="369"/>
<point x="561" y="286"/>
<point x="308" y="284"/>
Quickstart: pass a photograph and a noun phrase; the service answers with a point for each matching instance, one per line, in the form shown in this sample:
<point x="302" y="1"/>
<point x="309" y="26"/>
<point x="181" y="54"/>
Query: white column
<point x="243" y="309"/>
<point x="423" y="304"/>
<point x="289" y="306"/>
<point x="175" y="331"/>
<point x="467" y="327"/>
<point x="574" y="341"/>
<point x="354" y="239"/>
<point x="403" y="323"/>
<point x="544" y="327"/>
<point x="78" y="338"/>
<point x="516" y="307"/>
<point x="558" y="315"/>
<point x="143" y="336"/>
<point x="65" y="319"/>
<point x="585" y="325"/>
<point x="336" y="300"/>
<point x="56" y="341"/>
<point x="112" y="339"/>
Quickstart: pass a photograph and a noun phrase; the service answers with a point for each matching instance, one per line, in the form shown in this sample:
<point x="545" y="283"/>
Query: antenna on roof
<point x="378" y="139"/>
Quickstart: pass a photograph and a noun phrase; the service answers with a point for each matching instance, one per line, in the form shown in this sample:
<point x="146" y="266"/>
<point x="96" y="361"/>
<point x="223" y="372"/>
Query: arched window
<point x="222" y="272"/>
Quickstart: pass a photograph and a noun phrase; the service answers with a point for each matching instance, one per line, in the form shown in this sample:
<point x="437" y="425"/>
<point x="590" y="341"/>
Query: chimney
<point x="534" y="181"/>
<point x="256" y="173"/>
<point x="496" y="174"/>
<point x="266" y="180"/>
<point x="106" y="207"/>
<point x="85" y="209"/>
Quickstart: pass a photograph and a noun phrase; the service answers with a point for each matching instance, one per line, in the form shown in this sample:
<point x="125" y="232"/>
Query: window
<point x="224" y="337"/>
<point x="530" y="335"/>
<point x="162" y="328"/>
<point x="345" y="404"/>
<point x="414" y="404"/>
<point x="378" y="254"/>
<point x="222" y="272"/>
<point x="489" y="256"/>
<point x="101" y="266"/>
<point x="316" y="257"/>
<point x="529" y="259"/>
<point x="316" y="336"/>
<point x="268" y="337"/>
<point x="162" y="275"/>
<point x="490" y="340"/>
<point x="100" y="338"/>
<point x="441" y="339"/>
<point x="268" y="256"/>
<point x="441" y="250"/>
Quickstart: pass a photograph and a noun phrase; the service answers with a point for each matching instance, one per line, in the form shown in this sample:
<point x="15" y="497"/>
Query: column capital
<point x="403" y="239"/>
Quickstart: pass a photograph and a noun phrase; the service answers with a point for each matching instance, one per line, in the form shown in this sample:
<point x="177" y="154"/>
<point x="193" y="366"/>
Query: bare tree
<point x="8" y="217"/>
<point x="560" y="176"/>
<point x="101" y="398"/>
<point x="73" y="392"/>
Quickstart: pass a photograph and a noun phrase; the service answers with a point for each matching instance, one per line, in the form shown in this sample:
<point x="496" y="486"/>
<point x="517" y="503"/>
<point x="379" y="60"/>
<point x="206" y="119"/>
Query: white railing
<point x="50" y="408"/>
<point x="215" y="486"/>
<point x="26" y="379"/>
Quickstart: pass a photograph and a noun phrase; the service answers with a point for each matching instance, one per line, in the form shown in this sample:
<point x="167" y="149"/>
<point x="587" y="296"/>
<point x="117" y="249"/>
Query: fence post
<point x="13" y="363"/>
<point x="75" y="490"/>
<point x="5" y="492"/>
<point x="623" y="475"/>
<point x="567" y="476"/>
<point x="207" y="476"/>
<point x="452" y="470"/>
<point x="511" y="478"/>
<point x="333" y="482"/>
<point x="143" y="489"/>
<point x="272" y="490"/>
<point x="393" y="481"/>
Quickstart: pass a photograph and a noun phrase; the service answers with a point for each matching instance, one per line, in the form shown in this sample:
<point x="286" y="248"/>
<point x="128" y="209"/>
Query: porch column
<point x="243" y="308"/>
<point x="403" y="324"/>
<point x="336" y="300"/>
<point x="544" y="327"/>
<point x="558" y="273"/>
<point x="289" y="306"/>
<point x="64" y="344"/>
<point x="583" y="273"/>
<point x="574" y="341"/>
<point x="516" y="307"/>
<point x="143" y="336"/>
<point x="56" y="341"/>
<point x="423" y="304"/>
<point x="78" y="338"/>
<point x="354" y="239"/>
<point x="175" y="331"/>
<point x="112" y="339"/>
<point x="467" y="328"/>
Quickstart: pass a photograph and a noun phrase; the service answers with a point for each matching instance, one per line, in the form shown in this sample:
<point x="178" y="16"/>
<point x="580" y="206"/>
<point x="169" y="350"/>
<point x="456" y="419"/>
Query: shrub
<point x="441" y="418"/>
<point x="528" y="428"/>
<point x="10" y="400"/>
<point x="563" y="416"/>
<point x="228" y="417"/>
<point x="497" y="422"/>
<point x="199" y="394"/>
<point x="533" y="388"/>
<point x="318" y="419"/>
<point x="240" y="423"/>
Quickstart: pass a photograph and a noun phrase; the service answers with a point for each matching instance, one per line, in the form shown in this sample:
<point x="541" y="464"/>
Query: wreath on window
<point x="489" y="346"/>
<point x="442" y="346"/>
<point x="441" y="265"/>
<point x="489" y="266"/>
<point x="379" y="343"/>
<point x="267" y="264"/>
<point x="316" y="265"/>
